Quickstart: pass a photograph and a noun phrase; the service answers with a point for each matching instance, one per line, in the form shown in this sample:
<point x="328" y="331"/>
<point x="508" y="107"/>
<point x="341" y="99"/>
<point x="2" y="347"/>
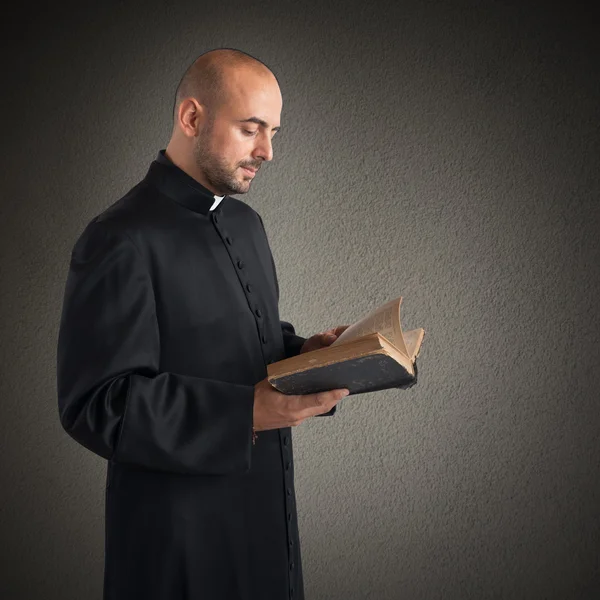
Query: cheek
<point x="232" y="148"/>
<point x="232" y="151"/>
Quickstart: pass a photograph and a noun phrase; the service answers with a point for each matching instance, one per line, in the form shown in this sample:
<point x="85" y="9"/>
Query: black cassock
<point x="170" y="317"/>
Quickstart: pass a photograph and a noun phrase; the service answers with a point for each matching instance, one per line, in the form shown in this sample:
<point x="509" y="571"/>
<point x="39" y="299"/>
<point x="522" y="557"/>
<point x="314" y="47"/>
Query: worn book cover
<point x="373" y="354"/>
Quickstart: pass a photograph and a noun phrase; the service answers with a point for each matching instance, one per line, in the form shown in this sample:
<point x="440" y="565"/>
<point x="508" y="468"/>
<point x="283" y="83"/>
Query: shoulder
<point x="137" y="216"/>
<point x="138" y="208"/>
<point x="116" y="224"/>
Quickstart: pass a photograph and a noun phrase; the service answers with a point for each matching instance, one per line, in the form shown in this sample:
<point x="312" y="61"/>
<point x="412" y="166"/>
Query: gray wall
<point x="447" y="152"/>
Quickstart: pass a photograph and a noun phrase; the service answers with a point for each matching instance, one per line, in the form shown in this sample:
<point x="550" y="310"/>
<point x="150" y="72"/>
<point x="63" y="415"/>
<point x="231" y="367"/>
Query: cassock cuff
<point x="329" y="413"/>
<point x="292" y="343"/>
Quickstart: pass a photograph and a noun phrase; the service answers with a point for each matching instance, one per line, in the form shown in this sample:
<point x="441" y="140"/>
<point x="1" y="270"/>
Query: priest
<point x="170" y="318"/>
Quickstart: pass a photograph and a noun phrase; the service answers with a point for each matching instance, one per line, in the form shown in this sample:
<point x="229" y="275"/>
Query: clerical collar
<point x="181" y="187"/>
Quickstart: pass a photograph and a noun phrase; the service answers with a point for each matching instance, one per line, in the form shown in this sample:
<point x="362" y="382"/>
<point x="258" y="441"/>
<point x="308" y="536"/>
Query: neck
<point x="184" y="161"/>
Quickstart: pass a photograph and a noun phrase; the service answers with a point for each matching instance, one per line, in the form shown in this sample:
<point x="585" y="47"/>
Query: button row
<point x="240" y="265"/>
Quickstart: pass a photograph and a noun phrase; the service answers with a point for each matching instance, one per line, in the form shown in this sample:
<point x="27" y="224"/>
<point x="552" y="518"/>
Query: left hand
<point x="323" y="339"/>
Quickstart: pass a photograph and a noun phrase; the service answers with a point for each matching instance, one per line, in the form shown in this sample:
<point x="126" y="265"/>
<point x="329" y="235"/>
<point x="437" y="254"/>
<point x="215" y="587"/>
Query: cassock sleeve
<point x="292" y="342"/>
<point x="112" y="398"/>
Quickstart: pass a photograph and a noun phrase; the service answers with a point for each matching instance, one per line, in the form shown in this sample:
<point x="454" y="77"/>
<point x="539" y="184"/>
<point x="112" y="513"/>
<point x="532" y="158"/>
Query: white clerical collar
<point x="216" y="202"/>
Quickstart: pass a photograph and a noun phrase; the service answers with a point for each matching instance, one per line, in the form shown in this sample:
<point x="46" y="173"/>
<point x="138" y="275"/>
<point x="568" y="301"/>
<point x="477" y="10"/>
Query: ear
<point x="190" y="117"/>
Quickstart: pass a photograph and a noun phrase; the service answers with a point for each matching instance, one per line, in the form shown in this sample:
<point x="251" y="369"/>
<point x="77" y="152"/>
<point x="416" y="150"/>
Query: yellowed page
<point x="413" y="340"/>
<point x="384" y="320"/>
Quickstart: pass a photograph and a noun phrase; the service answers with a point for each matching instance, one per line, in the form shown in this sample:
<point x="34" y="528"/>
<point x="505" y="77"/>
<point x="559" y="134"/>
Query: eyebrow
<point x="258" y="122"/>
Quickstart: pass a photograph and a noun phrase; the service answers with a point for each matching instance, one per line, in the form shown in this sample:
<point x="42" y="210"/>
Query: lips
<point x="250" y="171"/>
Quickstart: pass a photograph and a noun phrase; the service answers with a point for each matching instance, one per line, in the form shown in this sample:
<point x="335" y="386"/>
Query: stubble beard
<point x="216" y="171"/>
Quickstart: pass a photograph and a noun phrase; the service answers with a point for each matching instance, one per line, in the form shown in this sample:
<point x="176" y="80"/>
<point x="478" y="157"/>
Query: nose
<point x="264" y="148"/>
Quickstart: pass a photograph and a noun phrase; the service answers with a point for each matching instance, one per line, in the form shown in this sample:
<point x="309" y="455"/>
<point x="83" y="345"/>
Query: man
<point x="170" y="317"/>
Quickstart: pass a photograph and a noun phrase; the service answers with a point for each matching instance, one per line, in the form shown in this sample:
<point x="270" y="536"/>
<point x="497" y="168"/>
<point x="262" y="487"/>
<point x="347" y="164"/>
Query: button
<point x="229" y="240"/>
<point x="290" y="517"/>
<point x="248" y="287"/>
<point x="240" y="264"/>
<point x="291" y="544"/>
<point x="289" y="491"/>
<point x="216" y="219"/>
<point x="288" y="464"/>
<point x="292" y="567"/>
<point x="285" y="440"/>
<point x="264" y="339"/>
<point x="258" y="313"/>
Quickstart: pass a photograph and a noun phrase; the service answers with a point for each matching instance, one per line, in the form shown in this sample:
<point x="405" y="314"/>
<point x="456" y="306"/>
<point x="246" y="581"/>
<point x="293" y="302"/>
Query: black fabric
<point x="170" y="318"/>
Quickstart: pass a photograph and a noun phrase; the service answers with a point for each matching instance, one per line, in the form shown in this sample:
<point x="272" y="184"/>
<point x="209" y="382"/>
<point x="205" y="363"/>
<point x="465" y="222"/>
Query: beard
<point x="219" y="174"/>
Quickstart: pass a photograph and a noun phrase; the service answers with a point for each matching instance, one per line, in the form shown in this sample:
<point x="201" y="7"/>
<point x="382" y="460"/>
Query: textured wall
<point x="447" y="152"/>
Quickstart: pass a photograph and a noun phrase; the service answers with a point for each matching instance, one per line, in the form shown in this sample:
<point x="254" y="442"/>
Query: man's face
<point x="236" y="137"/>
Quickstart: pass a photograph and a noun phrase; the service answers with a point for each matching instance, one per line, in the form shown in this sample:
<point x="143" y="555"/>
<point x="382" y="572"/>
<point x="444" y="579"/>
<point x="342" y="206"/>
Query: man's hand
<point x="273" y="410"/>
<point x="323" y="339"/>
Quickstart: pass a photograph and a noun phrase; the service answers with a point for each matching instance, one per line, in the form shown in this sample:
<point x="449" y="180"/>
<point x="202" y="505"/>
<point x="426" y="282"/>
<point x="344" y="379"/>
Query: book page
<point x="384" y="320"/>
<point x="413" y="340"/>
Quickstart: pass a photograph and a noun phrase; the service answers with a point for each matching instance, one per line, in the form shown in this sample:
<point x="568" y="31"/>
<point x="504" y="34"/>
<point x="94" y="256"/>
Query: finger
<point x="337" y="331"/>
<point x="316" y="404"/>
<point x="328" y="338"/>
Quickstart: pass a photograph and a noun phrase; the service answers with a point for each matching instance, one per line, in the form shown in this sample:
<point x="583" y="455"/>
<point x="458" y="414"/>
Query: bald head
<point x="227" y="111"/>
<point x="206" y="79"/>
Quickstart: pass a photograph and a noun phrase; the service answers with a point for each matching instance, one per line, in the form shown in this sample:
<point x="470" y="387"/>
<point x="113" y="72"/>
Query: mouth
<point x="249" y="171"/>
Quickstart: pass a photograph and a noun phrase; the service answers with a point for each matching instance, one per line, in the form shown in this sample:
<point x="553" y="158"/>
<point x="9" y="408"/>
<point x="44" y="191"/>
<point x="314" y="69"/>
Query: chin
<point x="244" y="185"/>
<point x="240" y="188"/>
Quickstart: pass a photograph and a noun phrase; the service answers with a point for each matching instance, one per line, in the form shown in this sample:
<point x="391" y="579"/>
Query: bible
<point x="372" y="354"/>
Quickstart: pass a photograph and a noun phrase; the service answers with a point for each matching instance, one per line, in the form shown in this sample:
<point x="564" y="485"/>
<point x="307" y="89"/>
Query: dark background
<point x="442" y="151"/>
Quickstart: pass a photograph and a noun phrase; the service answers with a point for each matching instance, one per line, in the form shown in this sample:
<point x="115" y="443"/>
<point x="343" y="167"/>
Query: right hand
<point x="273" y="410"/>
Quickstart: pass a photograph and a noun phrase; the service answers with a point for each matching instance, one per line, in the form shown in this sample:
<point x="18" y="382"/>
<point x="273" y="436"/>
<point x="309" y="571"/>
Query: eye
<point x="249" y="132"/>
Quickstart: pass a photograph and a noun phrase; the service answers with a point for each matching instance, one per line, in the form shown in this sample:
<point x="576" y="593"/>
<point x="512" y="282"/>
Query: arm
<point x="292" y="342"/>
<point x="112" y="398"/>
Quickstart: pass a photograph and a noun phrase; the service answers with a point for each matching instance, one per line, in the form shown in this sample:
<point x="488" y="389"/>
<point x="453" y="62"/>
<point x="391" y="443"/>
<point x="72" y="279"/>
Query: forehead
<point x="253" y="94"/>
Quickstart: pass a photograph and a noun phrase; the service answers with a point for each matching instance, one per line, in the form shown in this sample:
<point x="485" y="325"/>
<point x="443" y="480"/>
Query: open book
<point x="373" y="354"/>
